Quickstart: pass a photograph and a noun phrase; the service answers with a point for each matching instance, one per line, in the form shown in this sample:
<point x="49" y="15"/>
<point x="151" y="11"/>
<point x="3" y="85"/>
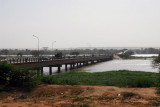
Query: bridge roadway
<point x="74" y="62"/>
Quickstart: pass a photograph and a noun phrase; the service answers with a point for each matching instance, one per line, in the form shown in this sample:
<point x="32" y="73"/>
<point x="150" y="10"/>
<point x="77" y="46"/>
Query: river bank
<point x="121" y="78"/>
<point x="84" y="89"/>
<point x="81" y="96"/>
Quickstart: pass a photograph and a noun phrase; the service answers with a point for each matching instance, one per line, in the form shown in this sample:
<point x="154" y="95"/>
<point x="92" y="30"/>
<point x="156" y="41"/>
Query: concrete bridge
<point x="72" y="63"/>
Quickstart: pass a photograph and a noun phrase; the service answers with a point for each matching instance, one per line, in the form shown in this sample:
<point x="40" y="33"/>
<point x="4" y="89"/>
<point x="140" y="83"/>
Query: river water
<point x="133" y="65"/>
<point x="144" y="55"/>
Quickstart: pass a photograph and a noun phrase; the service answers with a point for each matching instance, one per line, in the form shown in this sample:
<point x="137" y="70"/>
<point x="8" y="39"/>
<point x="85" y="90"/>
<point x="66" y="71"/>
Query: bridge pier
<point x="92" y="62"/>
<point x="41" y="70"/>
<point x="59" y="69"/>
<point x="50" y="70"/>
<point x="77" y="65"/>
<point x="86" y="63"/>
<point x="80" y="64"/>
<point x="71" y="66"/>
<point x="65" y="67"/>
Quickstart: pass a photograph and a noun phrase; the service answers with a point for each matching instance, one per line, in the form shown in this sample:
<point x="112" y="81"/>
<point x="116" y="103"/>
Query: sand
<point x="81" y="96"/>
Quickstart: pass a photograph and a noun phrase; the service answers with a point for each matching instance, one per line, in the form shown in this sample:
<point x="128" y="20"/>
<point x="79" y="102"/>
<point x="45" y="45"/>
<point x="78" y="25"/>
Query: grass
<point x="28" y="79"/>
<point x="79" y="99"/>
<point x="156" y="103"/>
<point x="121" y="78"/>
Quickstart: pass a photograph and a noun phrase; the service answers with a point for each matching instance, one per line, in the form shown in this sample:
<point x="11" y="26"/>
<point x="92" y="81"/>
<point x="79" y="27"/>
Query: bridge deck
<point x="60" y="62"/>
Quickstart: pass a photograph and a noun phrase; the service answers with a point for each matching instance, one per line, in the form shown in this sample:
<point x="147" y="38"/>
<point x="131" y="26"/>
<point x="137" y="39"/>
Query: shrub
<point x="54" y="80"/>
<point x="140" y="82"/>
<point x="22" y="78"/>
<point x="5" y="72"/>
<point x="49" y="80"/>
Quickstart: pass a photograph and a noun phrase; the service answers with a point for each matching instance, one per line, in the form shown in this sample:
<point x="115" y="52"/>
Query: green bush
<point x="54" y="80"/>
<point x="49" y="80"/>
<point x="22" y="78"/>
<point x="140" y="82"/>
<point x="5" y="72"/>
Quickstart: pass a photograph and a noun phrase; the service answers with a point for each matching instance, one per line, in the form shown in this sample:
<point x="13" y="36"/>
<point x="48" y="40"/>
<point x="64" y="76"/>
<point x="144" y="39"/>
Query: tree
<point x="5" y="52"/>
<point x="0" y="52"/>
<point x="35" y="53"/>
<point x="156" y="63"/>
<point x="75" y="53"/>
<point x="127" y="53"/>
<point x="19" y="54"/>
<point x="58" y="55"/>
<point x="27" y="51"/>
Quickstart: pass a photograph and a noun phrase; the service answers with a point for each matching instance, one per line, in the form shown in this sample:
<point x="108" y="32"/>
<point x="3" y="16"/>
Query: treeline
<point x="64" y="52"/>
<point x="75" y="51"/>
<point x="146" y="51"/>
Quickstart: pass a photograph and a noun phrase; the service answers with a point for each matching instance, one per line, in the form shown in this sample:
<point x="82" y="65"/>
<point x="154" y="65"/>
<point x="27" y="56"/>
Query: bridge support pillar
<point x="41" y="69"/>
<point x="80" y="64"/>
<point x="92" y="62"/>
<point x="73" y="66"/>
<point x="70" y="66"/>
<point x="50" y="70"/>
<point x="77" y="65"/>
<point x="86" y="62"/>
<point x="59" y="69"/>
<point x="65" y="67"/>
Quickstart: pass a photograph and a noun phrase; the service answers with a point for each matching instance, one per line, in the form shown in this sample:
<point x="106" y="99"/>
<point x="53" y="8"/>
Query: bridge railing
<point x="36" y="59"/>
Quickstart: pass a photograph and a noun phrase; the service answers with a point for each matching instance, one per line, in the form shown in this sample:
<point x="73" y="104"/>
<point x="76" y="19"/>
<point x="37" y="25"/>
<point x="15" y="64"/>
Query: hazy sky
<point x="79" y="23"/>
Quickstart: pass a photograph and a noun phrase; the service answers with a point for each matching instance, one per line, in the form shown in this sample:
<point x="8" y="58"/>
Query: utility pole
<point x="38" y="43"/>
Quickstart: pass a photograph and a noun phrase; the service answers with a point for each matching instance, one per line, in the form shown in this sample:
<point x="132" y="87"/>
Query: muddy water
<point x="134" y="65"/>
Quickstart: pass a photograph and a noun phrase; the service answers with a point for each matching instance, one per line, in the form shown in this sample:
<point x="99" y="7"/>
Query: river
<point x="133" y="65"/>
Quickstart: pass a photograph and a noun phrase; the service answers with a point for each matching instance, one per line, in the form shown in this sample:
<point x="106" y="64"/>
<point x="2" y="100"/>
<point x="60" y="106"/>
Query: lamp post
<point x="38" y="43"/>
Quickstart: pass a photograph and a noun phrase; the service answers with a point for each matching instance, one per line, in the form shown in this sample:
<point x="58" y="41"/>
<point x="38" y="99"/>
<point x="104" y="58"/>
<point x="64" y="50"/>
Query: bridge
<point x="71" y="62"/>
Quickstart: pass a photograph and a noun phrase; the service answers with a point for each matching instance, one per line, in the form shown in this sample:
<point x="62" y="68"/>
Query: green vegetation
<point x="155" y="103"/>
<point x="156" y="63"/>
<point x="19" y="78"/>
<point x="80" y="99"/>
<point x="122" y="78"/>
<point x="27" y="79"/>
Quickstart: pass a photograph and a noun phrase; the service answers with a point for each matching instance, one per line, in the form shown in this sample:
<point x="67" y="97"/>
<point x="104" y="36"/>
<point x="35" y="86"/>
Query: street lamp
<point x="38" y="43"/>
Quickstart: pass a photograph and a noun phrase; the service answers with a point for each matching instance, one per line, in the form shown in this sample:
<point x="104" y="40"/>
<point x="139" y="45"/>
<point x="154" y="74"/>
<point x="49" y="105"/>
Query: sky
<point x="79" y="23"/>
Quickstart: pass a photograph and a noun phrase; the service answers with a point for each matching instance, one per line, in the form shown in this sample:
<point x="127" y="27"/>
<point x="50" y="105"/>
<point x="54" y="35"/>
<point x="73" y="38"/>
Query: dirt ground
<point x="81" y="96"/>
